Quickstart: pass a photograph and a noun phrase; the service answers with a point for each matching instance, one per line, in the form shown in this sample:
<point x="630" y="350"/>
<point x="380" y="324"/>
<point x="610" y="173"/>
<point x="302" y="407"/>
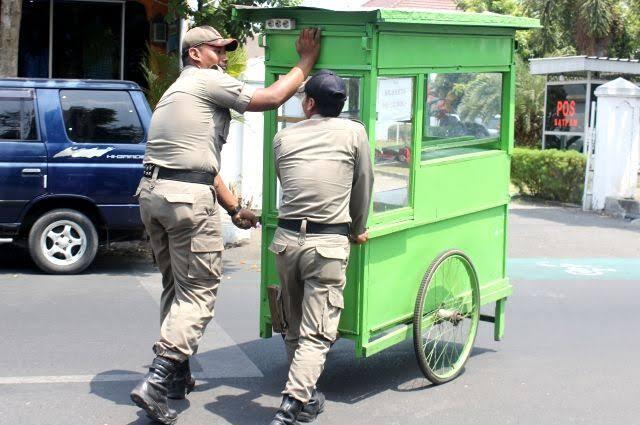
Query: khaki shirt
<point x="324" y="166"/>
<point x="191" y="122"/>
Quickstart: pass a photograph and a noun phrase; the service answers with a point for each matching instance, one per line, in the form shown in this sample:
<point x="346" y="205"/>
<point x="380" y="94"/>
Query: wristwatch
<point x="235" y="210"/>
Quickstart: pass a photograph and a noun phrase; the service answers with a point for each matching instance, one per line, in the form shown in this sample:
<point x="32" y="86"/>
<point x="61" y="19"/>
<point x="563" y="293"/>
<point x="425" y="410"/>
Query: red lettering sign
<point x="565" y="110"/>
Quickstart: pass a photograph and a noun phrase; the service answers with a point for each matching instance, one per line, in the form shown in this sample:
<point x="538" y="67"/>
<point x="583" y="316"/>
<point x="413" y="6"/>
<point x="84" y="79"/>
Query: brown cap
<point x="209" y="35"/>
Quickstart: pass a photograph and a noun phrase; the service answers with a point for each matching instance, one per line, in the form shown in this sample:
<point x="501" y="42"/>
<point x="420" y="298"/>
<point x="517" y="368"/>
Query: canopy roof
<point x="567" y="64"/>
<point x="400" y="16"/>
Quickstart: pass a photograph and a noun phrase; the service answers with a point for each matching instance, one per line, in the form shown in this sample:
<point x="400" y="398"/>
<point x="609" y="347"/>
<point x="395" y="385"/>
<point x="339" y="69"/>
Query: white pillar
<point x="617" y="149"/>
<point x="242" y="157"/>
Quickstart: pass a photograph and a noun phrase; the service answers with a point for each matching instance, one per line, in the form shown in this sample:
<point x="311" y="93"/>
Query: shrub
<point x="549" y="174"/>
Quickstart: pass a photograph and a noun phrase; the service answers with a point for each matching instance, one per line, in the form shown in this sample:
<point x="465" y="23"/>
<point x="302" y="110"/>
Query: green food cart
<point x="435" y="91"/>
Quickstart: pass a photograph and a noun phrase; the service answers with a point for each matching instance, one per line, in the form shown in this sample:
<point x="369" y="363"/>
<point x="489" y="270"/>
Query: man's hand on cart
<point x="245" y="219"/>
<point x="308" y="45"/>
<point x="360" y="239"/>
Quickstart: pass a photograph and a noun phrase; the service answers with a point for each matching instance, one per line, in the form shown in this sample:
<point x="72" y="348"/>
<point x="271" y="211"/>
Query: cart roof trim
<point x="400" y="16"/>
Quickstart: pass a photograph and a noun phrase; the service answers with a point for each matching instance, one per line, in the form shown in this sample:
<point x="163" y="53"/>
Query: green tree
<point x="504" y="7"/>
<point x="161" y="69"/>
<point x="529" y="109"/>
<point x="10" y="17"/>
<point x="586" y="27"/>
<point x="218" y="15"/>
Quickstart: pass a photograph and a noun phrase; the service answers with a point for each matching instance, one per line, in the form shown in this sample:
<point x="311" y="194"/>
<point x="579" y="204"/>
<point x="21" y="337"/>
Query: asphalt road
<point x="72" y="347"/>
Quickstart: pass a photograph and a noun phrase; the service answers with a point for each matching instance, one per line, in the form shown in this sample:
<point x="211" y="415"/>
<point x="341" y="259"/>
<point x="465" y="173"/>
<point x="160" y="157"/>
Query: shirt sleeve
<point x="362" y="186"/>
<point x="228" y="92"/>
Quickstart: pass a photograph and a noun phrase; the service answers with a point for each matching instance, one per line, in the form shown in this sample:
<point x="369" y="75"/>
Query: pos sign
<point x="565" y="114"/>
<point x="565" y="107"/>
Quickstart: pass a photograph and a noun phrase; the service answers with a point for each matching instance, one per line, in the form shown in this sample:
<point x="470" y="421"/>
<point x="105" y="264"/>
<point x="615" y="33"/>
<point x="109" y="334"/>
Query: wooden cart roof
<point x="399" y="16"/>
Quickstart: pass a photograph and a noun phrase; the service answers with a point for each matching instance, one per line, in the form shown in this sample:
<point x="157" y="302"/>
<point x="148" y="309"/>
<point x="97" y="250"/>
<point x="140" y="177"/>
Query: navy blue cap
<point x="326" y="87"/>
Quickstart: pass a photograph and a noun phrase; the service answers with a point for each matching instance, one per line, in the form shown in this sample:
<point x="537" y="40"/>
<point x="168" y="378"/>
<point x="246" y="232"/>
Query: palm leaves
<point x="529" y="106"/>
<point x="160" y="69"/>
<point x="482" y="98"/>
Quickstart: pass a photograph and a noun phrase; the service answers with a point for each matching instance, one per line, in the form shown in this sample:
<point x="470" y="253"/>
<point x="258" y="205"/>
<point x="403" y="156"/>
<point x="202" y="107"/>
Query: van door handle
<point x="31" y="171"/>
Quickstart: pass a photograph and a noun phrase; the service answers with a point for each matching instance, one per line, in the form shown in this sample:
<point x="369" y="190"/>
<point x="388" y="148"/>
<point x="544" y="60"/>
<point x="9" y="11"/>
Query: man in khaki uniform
<point x="324" y="167"/>
<point x="179" y="194"/>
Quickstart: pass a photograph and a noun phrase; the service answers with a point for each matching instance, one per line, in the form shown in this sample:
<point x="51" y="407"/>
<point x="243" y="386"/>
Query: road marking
<point x="218" y="356"/>
<point x="121" y="377"/>
<point x="229" y="361"/>
<point x="574" y="268"/>
<point x="68" y="379"/>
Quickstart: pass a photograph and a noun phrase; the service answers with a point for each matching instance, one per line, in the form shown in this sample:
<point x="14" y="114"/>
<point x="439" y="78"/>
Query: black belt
<point x="323" y="228"/>
<point x="187" y="176"/>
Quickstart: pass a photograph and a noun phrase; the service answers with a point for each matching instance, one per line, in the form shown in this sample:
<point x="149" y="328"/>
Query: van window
<point x="100" y="116"/>
<point x="17" y="115"/>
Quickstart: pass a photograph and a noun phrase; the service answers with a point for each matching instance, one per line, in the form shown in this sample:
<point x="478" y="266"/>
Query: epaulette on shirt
<point x="356" y="120"/>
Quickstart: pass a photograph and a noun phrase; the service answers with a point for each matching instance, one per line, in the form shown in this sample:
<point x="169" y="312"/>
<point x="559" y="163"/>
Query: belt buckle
<point x="302" y="237"/>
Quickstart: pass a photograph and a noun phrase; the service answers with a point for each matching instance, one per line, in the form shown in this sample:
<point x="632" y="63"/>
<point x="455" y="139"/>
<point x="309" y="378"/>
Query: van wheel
<point x="63" y="242"/>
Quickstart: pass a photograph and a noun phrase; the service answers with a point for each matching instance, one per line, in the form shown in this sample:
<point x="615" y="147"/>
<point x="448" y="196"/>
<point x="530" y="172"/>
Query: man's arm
<point x="241" y="217"/>
<point x="361" y="190"/>
<point x="272" y="97"/>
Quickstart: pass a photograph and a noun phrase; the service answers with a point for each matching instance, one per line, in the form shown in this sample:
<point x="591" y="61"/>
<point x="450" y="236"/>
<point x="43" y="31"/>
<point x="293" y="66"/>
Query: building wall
<point x="79" y="28"/>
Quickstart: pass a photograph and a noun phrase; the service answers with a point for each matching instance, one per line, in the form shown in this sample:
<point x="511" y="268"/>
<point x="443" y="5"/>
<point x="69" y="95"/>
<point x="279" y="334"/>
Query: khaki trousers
<point x="183" y="224"/>
<point x="312" y="272"/>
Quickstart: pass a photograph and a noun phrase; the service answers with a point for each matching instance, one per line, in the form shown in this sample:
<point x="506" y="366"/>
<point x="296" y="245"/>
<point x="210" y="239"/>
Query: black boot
<point x="288" y="412"/>
<point x="312" y="409"/>
<point x="183" y="383"/>
<point x="151" y="394"/>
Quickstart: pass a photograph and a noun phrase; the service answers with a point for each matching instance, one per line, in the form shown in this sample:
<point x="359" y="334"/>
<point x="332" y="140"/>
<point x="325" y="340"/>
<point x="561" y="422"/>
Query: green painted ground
<point x="574" y="268"/>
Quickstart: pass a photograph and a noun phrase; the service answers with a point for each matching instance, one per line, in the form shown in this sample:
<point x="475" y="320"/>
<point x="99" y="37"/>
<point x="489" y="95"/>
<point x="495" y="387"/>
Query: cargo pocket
<point x="331" y="314"/>
<point x="179" y="198"/>
<point x="203" y="263"/>
<point x="277" y="247"/>
<point x="206" y="242"/>
<point x="331" y="262"/>
<point x="181" y="205"/>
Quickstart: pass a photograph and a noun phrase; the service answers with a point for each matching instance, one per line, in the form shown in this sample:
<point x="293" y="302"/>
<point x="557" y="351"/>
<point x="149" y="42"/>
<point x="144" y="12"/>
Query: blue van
<point x="70" y="160"/>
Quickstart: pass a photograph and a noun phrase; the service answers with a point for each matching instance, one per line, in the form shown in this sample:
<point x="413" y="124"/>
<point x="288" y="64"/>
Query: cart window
<point x="462" y="109"/>
<point x="394" y="132"/>
<point x="291" y="111"/>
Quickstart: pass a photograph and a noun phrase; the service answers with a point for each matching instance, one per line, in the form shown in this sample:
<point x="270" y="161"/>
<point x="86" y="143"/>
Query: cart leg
<point x="498" y="330"/>
<point x="265" y="330"/>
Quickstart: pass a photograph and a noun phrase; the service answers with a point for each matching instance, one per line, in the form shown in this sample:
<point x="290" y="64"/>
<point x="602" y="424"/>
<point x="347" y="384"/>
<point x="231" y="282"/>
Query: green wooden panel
<point x="452" y="186"/>
<point x="339" y="50"/>
<point x="403" y="50"/>
<point x="397" y="262"/>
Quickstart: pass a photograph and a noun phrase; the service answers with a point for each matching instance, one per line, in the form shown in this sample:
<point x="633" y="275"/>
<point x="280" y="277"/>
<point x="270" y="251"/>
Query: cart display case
<point x="435" y="91"/>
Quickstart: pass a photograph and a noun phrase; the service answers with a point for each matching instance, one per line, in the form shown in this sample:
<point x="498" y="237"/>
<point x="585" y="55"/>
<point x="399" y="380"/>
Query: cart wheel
<point x="445" y="319"/>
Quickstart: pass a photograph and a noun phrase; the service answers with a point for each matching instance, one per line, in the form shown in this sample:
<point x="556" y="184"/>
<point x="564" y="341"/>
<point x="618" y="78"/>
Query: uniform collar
<point x="316" y="117"/>
<point x="214" y="68"/>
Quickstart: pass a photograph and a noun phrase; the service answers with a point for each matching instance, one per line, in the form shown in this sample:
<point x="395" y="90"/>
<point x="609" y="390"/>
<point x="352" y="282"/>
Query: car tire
<point x="63" y="241"/>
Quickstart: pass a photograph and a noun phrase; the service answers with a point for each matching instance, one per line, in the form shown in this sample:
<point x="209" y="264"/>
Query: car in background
<point x="70" y="160"/>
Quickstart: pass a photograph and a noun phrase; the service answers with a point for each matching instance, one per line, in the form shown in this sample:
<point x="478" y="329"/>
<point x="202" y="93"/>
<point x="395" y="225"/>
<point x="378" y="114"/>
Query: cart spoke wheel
<point x="446" y="316"/>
